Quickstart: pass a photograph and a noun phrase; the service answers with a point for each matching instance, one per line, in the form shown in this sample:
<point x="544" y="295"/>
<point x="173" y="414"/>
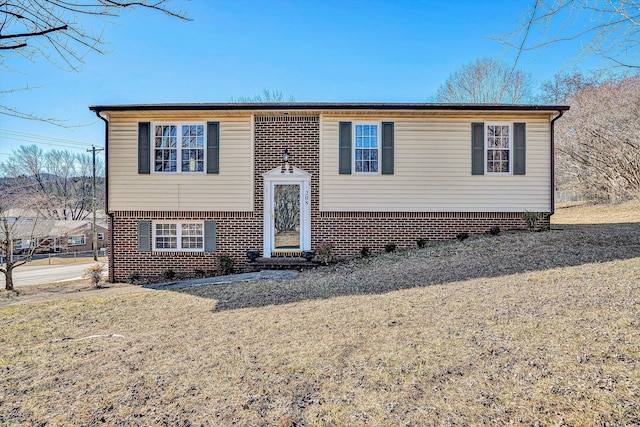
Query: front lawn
<point x="522" y="328"/>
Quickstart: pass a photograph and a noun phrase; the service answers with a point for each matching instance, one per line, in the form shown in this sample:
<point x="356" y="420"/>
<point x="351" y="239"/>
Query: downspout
<point x="110" y="252"/>
<point x="553" y="163"/>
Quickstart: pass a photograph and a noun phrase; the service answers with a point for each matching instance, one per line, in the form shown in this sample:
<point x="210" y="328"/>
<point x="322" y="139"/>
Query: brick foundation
<point x="349" y="232"/>
<point x="236" y="232"/>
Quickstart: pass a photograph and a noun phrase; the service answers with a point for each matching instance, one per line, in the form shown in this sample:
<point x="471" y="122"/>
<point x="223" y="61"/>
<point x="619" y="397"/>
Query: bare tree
<point x="61" y="180"/>
<point x="563" y="87"/>
<point x="609" y="29"/>
<point x="17" y="223"/>
<point x="62" y="32"/>
<point x="266" y="96"/>
<point x="598" y="141"/>
<point x="486" y="80"/>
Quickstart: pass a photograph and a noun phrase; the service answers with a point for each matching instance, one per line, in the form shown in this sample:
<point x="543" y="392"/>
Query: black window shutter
<point x="519" y="148"/>
<point x="210" y="236"/>
<point x="387" y="148"/>
<point x="144" y="235"/>
<point x="345" y="148"/>
<point x="477" y="148"/>
<point x="144" y="145"/>
<point x="213" y="147"/>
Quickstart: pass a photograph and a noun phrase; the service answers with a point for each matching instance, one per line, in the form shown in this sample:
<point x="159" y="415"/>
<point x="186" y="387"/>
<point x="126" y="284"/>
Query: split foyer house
<point x="187" y="183"/>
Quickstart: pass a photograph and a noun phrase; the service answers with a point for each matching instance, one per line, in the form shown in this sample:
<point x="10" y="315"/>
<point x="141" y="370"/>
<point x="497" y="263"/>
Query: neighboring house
<point x="187" y="183"/>
<point x="78" y="236"/>
<point x="56" y="236"/>
<point x="26" y="233"/>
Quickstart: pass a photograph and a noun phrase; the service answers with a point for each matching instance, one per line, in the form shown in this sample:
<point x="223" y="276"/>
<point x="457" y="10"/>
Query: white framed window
<point x="178" y="147"/>
<point x="78" y="240"/>
<point x="178" y="236"/>
<point x="20" y="244"/>
<point x="100" y="236"/>
<point x="498" y="148"/>
<point x="366" y="155"/>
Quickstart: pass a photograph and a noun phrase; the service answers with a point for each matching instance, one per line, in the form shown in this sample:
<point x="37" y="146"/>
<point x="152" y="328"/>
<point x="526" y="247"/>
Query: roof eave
<point x="326" y="106"/>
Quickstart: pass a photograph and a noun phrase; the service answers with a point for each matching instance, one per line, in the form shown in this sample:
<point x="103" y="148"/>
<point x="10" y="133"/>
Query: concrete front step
<point x="281" y="263"/>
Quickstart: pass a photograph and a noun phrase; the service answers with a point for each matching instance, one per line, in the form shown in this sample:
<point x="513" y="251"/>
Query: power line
<point x="44" y="138"/>
<point x="45" y="143"/>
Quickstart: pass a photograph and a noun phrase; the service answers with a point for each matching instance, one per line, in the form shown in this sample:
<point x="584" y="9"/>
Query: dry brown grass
<point x="523" y="328"/>
<point x="598" y="214"/>
<point x="48" y="292"/>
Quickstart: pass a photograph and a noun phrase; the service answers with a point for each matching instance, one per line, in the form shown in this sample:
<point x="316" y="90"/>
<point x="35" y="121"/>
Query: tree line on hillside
<point x="56" y="184"/>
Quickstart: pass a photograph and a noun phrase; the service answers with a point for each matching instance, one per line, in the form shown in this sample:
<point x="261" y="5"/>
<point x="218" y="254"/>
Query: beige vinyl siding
<point x="230" y="190"/>
<point x="433" y="170"/>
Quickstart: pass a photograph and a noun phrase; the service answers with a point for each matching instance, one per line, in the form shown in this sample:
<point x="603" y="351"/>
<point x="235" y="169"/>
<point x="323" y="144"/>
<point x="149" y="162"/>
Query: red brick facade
<point x="349" y="232"/>
<point x="236" y="232"/>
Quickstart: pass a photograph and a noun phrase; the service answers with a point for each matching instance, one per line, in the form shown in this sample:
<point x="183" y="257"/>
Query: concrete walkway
<point x="221" y="280"/>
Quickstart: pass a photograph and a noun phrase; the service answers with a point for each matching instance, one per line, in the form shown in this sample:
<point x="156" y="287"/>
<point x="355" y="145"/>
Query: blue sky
<point x="342" y="51"/>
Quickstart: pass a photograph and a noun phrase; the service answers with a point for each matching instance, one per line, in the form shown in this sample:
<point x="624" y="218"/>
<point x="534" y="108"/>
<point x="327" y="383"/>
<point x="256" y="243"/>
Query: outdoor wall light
<point x="285" y="159"/>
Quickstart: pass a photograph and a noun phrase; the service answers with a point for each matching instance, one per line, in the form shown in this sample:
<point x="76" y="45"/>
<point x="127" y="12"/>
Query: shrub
<point x="324" y="253"/>
<point x="462" y="236"/>
<point x="133" y="277"/>
<point x="531" y="218"/>
<point x="494" y="231"/>
<point x="225" y="265"/>
<point x="169" y="274"/>
<point x="198" y="273"/>
<point x="94" y="275"/>
<point x="390" y="247"/>
<point x="421" y="243"/>
<point x="365" y="252"/>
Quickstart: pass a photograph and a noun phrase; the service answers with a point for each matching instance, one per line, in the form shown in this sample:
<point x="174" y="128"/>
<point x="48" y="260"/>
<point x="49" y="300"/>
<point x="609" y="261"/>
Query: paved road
<point x="34" y="275"/>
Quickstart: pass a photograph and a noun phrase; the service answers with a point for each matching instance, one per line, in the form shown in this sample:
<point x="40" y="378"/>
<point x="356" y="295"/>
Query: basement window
<point x="178" y="236"/>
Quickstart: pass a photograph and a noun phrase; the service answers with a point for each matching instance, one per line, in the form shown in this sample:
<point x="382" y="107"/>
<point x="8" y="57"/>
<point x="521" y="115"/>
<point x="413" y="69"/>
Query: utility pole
<point x="95" y="229"/>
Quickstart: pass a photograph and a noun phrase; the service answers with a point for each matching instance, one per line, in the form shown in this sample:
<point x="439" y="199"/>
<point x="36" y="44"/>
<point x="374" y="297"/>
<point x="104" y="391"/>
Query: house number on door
<point x="306" y="198"/>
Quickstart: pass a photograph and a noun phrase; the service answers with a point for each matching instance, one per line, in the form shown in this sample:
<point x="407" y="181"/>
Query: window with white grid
<point x="498" y="147"/>
<point x="192" y="236"/>
<point x="366" y="148"/>
<point x="166" y="236"/>
<point x="179" y="147"/>
<point x="178" y="236"/>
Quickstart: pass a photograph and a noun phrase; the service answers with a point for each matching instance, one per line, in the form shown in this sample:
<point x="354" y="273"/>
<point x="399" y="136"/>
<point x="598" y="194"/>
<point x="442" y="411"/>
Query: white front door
<point x="287" y="212"/>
